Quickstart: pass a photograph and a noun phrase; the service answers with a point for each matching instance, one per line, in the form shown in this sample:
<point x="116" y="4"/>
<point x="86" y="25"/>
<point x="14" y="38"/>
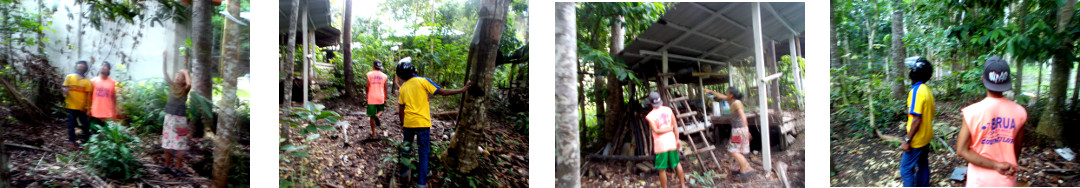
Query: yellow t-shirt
<point x="414" y="96"/>
<point x="921" y="103"/>
<point x="78" y="92"/>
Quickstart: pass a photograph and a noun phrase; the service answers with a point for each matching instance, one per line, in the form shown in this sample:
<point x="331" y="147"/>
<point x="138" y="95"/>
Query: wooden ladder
<point x="691" y="123"/>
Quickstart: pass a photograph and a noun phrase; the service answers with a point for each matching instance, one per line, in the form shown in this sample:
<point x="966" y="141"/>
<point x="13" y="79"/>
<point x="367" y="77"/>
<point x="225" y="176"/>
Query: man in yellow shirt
<point x="77" y="100"/>
<point x="914" y="166"/>
<point x="414" y="111"/>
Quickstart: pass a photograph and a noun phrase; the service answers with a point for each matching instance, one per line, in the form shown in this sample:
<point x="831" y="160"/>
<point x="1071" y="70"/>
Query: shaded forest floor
<point x="352" y="158"/>
<point x="623" y="173"/>
<point x="861" y="159"/>
<point x="58" y="165"/>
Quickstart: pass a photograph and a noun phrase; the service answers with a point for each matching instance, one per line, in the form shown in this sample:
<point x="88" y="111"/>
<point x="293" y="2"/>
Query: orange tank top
<point x="663" y="119"/>
<point x="376" y="93"/>
<point x="993" y="123"/>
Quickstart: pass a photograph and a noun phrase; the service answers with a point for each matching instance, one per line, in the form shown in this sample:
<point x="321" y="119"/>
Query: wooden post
<point x="795" y="68"/>
<point x="704" y="105"/>
<point x="763" y="105"/>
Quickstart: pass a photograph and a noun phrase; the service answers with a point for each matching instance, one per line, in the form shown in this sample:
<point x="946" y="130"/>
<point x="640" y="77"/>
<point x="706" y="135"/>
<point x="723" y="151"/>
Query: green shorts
<point x="668" y="159"/>
<point x="373" y="109"/>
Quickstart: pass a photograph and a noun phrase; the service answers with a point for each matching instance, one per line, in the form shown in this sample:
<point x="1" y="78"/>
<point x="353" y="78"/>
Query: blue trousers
<point x="423" y="135"/>
<point x="914" y="167"/>
<point x="75" y="119"/>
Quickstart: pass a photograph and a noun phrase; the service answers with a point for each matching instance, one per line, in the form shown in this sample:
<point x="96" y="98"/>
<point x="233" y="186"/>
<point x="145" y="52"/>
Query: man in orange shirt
<point x="376" y="95"/>
<point x="103" y="96"/>
<point x="665" y="134"/>
<point x="991" y="136"/>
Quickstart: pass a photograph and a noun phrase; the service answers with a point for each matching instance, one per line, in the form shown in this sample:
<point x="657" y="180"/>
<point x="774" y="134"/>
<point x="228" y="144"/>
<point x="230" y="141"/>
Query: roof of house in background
<point x="318" y="20"/>
<point x="718" y="32"/>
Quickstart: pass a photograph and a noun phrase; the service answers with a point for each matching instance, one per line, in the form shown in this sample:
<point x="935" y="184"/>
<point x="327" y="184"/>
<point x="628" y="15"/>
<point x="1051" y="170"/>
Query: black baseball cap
<point x="995" y="75"/>
<point x="654" y="99"/>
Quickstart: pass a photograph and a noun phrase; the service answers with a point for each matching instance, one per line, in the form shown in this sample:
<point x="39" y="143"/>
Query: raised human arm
<point x="963" y="140"/>
<point x="454" y="91"/>
<point x="187" y="79"/>
<point x="719" y="96"/>
<point x="165" y="67"/>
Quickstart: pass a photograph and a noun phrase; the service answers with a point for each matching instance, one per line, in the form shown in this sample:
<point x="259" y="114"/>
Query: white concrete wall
<point x="136" y="45"/>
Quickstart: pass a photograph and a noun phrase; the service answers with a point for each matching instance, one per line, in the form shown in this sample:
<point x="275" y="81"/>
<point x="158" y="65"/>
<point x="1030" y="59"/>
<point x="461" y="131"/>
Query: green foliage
<point x="964" y="87"/>
<point x="130" y="11"/>
<point x="704" y="178"/>
<point x="23" y="24"/>
<point x="851" y="96"/>
<point x="111" y="152"/>
<point x="790" y="94"/>
<point x="199" y="107"/>
<point x="316" y="119"/>
<point x="521" y="122"/>
<point x="393" y="155"/>
<point x="240" y="174"/>
<point x="144" y="104"/>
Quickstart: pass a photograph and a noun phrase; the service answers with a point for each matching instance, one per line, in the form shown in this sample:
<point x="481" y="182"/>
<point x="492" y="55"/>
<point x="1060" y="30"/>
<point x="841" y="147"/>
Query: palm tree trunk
<point x="898" y="51"/>
<point x="201" y="67"/>
<point x="226" y="124"/>
<point x="346" y="47"/>
<point x="568" y="158"/>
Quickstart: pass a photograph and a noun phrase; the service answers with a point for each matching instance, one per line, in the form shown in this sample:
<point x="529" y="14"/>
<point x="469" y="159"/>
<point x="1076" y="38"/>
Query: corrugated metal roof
<point x="318" y="14"/>
<point x="318" y="21"/>
<point x="716" y="31"/>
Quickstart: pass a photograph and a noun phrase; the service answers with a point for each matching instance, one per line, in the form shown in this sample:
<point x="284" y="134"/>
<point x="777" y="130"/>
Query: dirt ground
<point x="622" y="173"/>
<point x="58" y="167"/>
<point x="868" y="161"/>
<point x="358" y="160"/>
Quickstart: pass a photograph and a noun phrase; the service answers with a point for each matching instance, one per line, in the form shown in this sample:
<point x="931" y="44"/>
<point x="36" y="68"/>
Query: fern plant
<point x="111" y="154"/>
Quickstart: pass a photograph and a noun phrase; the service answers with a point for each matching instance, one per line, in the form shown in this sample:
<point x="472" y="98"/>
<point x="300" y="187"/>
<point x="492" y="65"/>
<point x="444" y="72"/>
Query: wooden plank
<point x="622" y="157"/>
<point x="680" y="99"/>
<point x="707" y="74"/>
<point x="703" y="150"/>
<point x="673" y="86"/>
<point x="687" y="114"/>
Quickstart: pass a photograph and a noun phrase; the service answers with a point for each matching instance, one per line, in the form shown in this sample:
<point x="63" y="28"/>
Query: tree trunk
<point x="1076" y="87"/>
<point x="870" y="47"/>
<point x="834" y="50"/>
<point x="200" y="68"/>
<point x="1052" y="121"/>
<point x="223" y="144"/>
<point x="1038" y="83"/>
<point x="1018" y="85"/>
<point x="5" y="175"/>
<point x="598" y="82"/>
<point x="483" y="51"/>
<point x="898" y="52"/>
<point x="287" y="63"/>
<point x="581" y="95"/>
<point x="613" y="119"/>
<point x="346" y="47"/>
<point x="568" y="157"/>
